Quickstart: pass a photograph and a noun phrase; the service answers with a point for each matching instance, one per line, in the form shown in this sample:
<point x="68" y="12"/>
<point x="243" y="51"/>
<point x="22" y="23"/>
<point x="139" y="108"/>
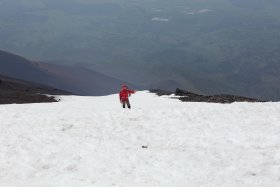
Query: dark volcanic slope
<point x="81" y="80"/>
<point x="76" y="80"/>
<point x="17" y="91"/>
<point x="20" y="68"/>
<point x="192" y="97"/>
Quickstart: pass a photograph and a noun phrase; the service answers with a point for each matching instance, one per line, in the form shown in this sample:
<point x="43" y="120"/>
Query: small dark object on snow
<point x="144" y="146"/>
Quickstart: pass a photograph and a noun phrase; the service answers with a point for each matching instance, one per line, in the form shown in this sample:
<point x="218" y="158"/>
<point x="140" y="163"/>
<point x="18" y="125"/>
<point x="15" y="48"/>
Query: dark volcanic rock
<point x="160" y="92"/>
<point x="187" y="96"/>
<point x="21" y="98"/>
<point x="17" y="91"/>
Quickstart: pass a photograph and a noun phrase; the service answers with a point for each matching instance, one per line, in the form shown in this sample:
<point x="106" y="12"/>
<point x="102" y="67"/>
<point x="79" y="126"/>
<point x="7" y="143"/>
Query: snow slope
<point x="92" y="141"/>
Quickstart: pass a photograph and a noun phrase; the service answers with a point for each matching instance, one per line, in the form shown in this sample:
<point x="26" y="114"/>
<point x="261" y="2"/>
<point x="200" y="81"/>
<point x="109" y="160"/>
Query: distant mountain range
<point x="252" y="81"/>
<point x="207" y="47"/>
<point x="80" y="81"/>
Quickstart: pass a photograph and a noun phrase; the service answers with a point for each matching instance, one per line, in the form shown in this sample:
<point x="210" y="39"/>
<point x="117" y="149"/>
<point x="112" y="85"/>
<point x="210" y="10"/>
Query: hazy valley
<point x="210" y="47"/>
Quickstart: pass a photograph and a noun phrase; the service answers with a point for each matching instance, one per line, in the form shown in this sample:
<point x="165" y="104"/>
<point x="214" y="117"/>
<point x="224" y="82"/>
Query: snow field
<point x="92" y="141"/>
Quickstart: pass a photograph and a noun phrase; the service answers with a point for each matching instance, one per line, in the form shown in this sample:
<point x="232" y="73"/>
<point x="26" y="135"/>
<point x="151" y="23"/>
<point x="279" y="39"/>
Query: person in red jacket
<point x="124" y="95"/>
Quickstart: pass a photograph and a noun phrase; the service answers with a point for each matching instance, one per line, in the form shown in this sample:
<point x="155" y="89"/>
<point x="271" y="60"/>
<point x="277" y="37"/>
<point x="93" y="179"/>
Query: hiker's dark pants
<point x="126" y="103"/>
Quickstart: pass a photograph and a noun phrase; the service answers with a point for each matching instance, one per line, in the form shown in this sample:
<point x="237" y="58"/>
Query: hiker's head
<point x="124" y="87"/>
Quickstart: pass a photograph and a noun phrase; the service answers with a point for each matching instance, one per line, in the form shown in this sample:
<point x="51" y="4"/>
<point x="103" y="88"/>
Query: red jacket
<point x="125" y="93"/>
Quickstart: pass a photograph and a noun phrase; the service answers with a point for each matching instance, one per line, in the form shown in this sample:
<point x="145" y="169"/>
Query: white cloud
<point x="156" y="10"/>
<point x="160" y="19"/>
<point x="197" y="11"/>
